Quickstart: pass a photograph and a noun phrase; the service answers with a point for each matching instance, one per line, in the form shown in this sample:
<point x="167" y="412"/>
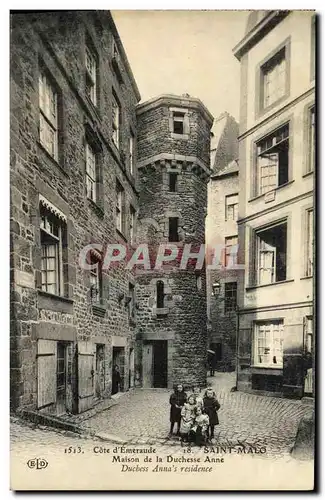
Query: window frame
<point x="260" y="72"/>
<point x="226" y="254"/>
<point x="91" y="74"/>
<point x="132" y="224"/>
<point x="169" y="230"/>
<point x="119" y="207"/>
<point x="95" y="276"/>
<point x="257" y="267"/>
<point x="170" y="176"/>
<point x="271" y="135"/>
<point x="258" y="324"/>
<point x="116" y="120"/>
<point x="309" y="242"/>
<point x="233" y="301"/>
<point x="91" y="152"/>
<point x="131" y="308"/>
<point x="46" y="82"/>
<point x="160" y="297"/>
<point x="311" y="139"/>
<point x="53" y="240"/>
<point x="131" y="152"/>
<point x="227" y="205"/>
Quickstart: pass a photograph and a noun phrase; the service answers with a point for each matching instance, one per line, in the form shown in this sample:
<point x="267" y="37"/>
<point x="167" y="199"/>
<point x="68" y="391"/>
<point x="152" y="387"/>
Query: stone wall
<point x="182" y="322"/>
<point x="58" y="45"/>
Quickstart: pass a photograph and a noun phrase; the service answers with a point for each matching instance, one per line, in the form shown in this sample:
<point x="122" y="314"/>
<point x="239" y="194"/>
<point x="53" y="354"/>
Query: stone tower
<point x="173" y="170"/>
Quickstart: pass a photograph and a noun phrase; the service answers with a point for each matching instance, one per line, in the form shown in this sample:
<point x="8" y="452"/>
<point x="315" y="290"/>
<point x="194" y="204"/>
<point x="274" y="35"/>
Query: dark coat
<point x="211" y="406"/>
<point x="177" y="399"/>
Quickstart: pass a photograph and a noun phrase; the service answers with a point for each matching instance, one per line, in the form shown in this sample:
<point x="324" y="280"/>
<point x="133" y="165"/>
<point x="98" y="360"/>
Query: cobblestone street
<point x="142" y="417"/>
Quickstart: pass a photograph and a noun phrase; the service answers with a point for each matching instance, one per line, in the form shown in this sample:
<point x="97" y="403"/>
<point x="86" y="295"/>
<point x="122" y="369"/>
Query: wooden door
<point x="86" y="375"/>
<point x="147" y="363"/>
<point x="46" y="375"/>
<point x="100" y="370"/>
<point x="61" y="378"/>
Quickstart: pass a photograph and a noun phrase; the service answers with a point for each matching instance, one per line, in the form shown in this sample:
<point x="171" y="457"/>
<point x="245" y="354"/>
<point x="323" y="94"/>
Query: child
<point x="200" y="427"/>
<point x="198" y="398"/>
<point x="188" y="416"/>
<point x="177" y="401"/>
<point x="211" y="406"/>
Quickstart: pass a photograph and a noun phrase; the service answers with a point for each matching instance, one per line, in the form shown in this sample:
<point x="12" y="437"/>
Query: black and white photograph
<point x="162" y="255"/>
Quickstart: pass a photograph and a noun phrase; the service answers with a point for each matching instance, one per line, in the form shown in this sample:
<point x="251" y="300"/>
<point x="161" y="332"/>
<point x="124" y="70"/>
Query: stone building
<point x="72" y="158"/>
<point x="173" y="170"/>
<point x="275" y="225"/>
<point x="221" y="230"/>
<point x="75" y="184"/>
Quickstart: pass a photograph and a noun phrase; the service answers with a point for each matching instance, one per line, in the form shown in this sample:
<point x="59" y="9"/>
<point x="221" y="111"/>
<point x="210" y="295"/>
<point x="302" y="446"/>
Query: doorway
<point x="61" y="378"/>
<point x="119" y="361"/>
<point x="155" y="369"/>
<point x="100" y="370"/>
<point x="308" y="357"/>
<point x="160" y="363"/>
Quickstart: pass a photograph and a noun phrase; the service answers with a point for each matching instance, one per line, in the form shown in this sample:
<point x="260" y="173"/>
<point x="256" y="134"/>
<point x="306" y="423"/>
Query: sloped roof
<point x="231" y="168"/>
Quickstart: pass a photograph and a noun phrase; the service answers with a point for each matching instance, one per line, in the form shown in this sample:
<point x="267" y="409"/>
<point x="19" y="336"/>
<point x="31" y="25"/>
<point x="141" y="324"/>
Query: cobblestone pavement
<point x="142" y="417"/>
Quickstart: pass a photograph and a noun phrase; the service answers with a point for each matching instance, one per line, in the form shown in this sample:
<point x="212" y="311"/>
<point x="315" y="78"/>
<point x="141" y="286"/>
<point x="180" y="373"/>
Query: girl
<point x="211" y="406"/>
<point x="177" y="401"/>
<point x="188" y="416"/>
<point x="200" y="427"/>
<point x="198" y="398"/>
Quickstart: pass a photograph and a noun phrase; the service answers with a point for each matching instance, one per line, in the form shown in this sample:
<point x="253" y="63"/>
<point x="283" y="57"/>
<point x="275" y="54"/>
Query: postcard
<point x="162" y="250"/>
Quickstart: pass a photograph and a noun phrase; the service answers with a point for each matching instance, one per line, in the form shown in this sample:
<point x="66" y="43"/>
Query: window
<point x="273" y="74"/>
<point x="310" y="242"/>
<point x="131" y="152"/>
<point x="311" y="140"/>
<point x="272" y="254"/>
<point x="96" y="276"/>
<point x="172" y="182"/>
<point x="51" y="259"/>
<point x="116" y="115"/>
<point x="273" y="160"/>
<point x="173" y="229"/>
<point x="230" y="297"/>
<point x="232" y="207"/>
<point x="231" y="247"/>
<point x="132" y="224"/>
<point x="178" y="122"/>
<point x="91" y="76"/>
<point x="48" y="106"/>
<point x="91" y="173"/>
<point x="119" y="207"/>
<point x="269" y="344"/>
<point x="160" y="292"/>
<point x="132" y="301"/>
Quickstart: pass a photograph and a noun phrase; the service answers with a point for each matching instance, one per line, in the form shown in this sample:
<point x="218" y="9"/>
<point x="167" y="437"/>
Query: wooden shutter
<point x="186" y="123"/>
<point x="86" y="375"/>
<point x="46" y="374"/>
<point x="171" y="121"/>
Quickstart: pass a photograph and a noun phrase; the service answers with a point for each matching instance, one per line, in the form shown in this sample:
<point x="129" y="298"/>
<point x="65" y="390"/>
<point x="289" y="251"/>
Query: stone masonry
<point x="54" y="44"/>
<point x="180" y="320"/>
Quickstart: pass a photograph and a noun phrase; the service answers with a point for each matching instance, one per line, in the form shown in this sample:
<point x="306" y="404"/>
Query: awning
<point x="51" y="208"/>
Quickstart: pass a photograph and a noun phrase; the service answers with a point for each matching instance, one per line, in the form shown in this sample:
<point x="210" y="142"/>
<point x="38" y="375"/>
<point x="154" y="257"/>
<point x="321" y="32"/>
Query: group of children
<point x="195" y="417"/>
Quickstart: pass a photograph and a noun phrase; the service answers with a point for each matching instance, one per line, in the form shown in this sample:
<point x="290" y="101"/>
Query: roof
<point x="259" y="23"/>
<point x="231" y="168"/>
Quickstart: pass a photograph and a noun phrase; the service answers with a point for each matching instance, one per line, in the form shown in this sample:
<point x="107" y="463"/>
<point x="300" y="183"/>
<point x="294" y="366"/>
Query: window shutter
<point x="46" y="373"/>
<point x="186" y="124"/>
<point x="252" y="257"/>
<point x="171" y="122"/>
